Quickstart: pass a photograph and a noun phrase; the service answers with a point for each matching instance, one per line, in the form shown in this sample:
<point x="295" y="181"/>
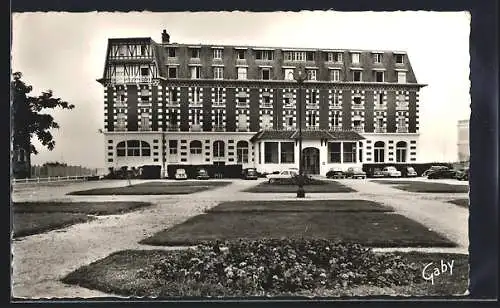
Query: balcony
<point x="401" y="129"/>
<point x="358" y="106"/>
<point x="267" y="127"/>
<point x="172" y="128"/>
<point x="130" y="79"/>
<point x="336" y="128"/>
<point x="379" y="106"/>
<point x="218" y="104"/>
<point x="310" y="127"/>
<point x="289" y="105"/>
<point x="336" y="106"/>
<point x="312" y="105"/>
<point x="266" y="105"/>
<point x="172" y="104"/>
<point x="120" y="104"/>
<point x="242" y="128"/>
<point x="380" y="130"/>
<point x="120" y="128"/>
<point x="196" y="104"/>
<point x="195" y="128"/>
<point x="358" y="129"/>
<point x="402" y="106"/>
<point x="219" y="128"/>
<point x="144" y="104"/>
<point x="242" y="105"/>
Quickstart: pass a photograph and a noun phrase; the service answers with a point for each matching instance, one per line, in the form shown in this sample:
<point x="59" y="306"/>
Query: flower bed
<point x="255" y="268"/>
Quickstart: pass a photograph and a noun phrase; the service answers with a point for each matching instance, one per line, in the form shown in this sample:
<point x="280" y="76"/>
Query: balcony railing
<point x="336" y="105"/>
<point x="145" y="128"/>
<point x="196" y="104"/>
<point x="172" y="104"/>
<point x="358" y="129"/>
<point x="358" y="106"/>
<point x="267" y="127"/>
<point x="119" y="128"/>
<point x="402" y="106"/>
<point x="130" y="79"/>
<point x="218" y="104"/>
<point x="172" y="128"/>
<point x="336" y="128"/>
<point x="120" y="104"/>
<point x="144" y="104"/>
<point x="242" y="128"/>
<point x="242" y="104"/>
<point x="308" y="127"/>
<point x="195" y="127"/>
<point x="379" y="106"/>
<point x="401" y="129"/>
<point x="266" y="105"/>
<point x="219" y="128"/>
<point x="380" y="129"/>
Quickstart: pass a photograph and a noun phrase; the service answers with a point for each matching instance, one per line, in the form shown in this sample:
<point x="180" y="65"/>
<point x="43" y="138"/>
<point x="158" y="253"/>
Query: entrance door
<point x="310" y="162"/>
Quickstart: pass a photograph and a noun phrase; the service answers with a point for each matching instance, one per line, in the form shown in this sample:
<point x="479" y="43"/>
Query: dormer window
<point x="377" y="58"/>
<point x="144" y="71"/>
<point x="355" y="57"/>
<point x="241" y="54"/>
<point x="334" y="57"/>
<point x="143" y="50"/>
<point x="266" y="74"/>
<point x="311" y="74"/>
<point x="264" y="55"/>
<point x="379" y="76"/>
<point x="356" y="75"/>
<point x="171" y="52"/>
<point x="310" y="56"/>
<point x="122" y="50"/>
<point x="218" y="54"/>
<point x="195" y="53"/>
<point x="399" y="58"/>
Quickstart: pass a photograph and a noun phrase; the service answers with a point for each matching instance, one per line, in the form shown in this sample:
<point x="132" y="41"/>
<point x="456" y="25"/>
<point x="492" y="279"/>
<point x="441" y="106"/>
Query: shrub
<point x="274" y="266"/>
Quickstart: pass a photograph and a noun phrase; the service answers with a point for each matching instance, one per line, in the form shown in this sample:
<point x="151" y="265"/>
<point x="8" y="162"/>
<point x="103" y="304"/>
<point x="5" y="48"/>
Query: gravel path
<point x="41" y="260"/>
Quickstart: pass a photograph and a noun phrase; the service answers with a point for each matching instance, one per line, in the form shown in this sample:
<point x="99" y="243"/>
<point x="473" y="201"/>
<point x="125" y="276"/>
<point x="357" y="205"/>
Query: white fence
<point x="51" y="179"/>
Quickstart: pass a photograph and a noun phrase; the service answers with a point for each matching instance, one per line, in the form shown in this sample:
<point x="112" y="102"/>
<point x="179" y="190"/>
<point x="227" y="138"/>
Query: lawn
<point x="39" y="217"/>
<point x="250" y="269"/>
<point x="324" y="187"/>
<point x="34" y="223"/>
<point x="155" y="188"/>
<point x="425" y="187"/>
<point x="367" y="228"/>
<point x="300" y="206"/>
<point x="460" y="202"/>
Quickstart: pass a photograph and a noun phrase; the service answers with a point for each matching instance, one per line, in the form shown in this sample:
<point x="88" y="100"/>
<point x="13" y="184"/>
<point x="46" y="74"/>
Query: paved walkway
<point x="41" y="260"/>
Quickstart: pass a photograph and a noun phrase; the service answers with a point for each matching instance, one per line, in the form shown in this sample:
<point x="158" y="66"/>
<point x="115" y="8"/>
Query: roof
<point x="307" y="135"/>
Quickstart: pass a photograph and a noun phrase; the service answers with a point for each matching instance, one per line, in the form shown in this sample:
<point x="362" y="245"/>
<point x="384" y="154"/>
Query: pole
<point x="300" y="180"/>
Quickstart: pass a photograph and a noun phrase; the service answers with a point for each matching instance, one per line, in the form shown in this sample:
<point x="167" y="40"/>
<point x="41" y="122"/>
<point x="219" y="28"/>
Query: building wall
<point x="463" y="141"/>
<point x="390" y="141"/>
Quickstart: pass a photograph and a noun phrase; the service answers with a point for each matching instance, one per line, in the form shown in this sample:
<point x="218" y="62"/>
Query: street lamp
<point x="300" y="180"/>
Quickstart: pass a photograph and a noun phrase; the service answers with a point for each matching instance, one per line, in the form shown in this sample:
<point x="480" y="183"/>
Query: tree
<point x="28" y="118"/>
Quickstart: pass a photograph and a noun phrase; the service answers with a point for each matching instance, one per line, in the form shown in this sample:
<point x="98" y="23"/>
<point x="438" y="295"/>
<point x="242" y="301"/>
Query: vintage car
<point x="376" y="173"/>
<point x="202" y="174"/>
<point x="391" y="172"/>
<point x="335" y="173"/>
<point x="463" y="175"/>
<point x="180" y="174"/>
<point x="433" y="169"/>
<point x="443" y="174"/>
<point x="249" y="174"/>
<point x="409" y="172"/>
<point x="355" y="173"/>
<point x="282" y="176"/>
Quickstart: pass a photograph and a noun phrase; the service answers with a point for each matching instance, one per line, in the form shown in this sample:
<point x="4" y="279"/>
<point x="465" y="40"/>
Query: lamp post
<point x="300" y="180"/>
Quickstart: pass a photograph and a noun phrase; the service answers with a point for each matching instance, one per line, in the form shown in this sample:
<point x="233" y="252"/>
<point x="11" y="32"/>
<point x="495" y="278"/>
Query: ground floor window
<point x="401" y="152"/>
<point x="334" y="152"/>
<point x="172" y="147"/>
<point x="133" y="148"/>
<point x="379" y="152"/>
<point x="287" y="152"/>
<point x="349" y="152"/>
<point x="219" y="148"/>
<point x="242" y="152"/>
<point x="195" y="147"/>
<point x="271" y="153"/>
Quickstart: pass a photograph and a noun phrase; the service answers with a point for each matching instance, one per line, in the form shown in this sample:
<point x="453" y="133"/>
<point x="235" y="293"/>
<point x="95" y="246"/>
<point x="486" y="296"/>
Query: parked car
<point x="202" y="174"/>
<point x="335" y="173"/>
<point x="249" y="174"/>
<point x="432" y="169"/>
<point x="377" y="173"/>
<point x="443" y="174"/>
<point x="391" y="172"/>
<point x="180" y="174"/>
<point x="355" y="173"/>
<point x="409" y="172"/>
<point x="463" y="175"/>
<point x="283" y="175"/>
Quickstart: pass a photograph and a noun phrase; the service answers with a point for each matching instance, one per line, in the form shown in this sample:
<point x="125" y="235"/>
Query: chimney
<point x="165" y="38"/>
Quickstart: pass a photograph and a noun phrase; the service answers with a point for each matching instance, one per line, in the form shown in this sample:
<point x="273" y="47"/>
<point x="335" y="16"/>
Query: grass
<point x="426" y="187"/>
<point x="155" y="188"/>
<point x="325" y="187"/>
<point x="39" y="217"/>
<point x="25" y="224"/>
<point x="90" y="208"/>
<point x="366" y="228"/>
<point x="119" y="273"/>
<point x="300" y="206"/>
<point x="460" y="202"/>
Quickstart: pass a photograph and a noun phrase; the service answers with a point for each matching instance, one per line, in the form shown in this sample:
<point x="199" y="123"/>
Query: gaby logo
<point x="430" y="271"/>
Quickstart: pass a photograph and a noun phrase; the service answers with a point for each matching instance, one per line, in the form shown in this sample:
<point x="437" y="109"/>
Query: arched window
<point x="145" y="149"/>
<point x="121" y="149"/>
<point x="242" y="152"/>
<point x="401" y="152"/>
<point x="379" y="152"/>
<point x="195" y="147"/>
<point x="219" y="148"/>
<point x="133" y="148"/>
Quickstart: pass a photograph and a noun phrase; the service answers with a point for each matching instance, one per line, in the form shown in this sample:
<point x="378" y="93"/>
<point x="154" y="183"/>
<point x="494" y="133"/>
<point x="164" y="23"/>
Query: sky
<point x="65" y="52"/>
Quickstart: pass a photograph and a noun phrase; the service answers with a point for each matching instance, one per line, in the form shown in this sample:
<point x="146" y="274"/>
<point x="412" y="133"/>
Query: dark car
<point x="377" y="173"/>
<point x="202" y="174"/>
<point x="463" y="175"/>
<point x="433" y="169"/>
<point x="335" y="173"/>
<point x="355" y="173"/>
<point x="408" y="172"/>
<point x="443" y="174"/>
<point x="249" y="174"/>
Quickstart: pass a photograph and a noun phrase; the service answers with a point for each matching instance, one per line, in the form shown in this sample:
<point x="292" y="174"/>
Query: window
<point x="287" y="153"/>
<point x="218" y="149"/>
<point x="401" y="152"/>
<point x="195" y="53"/>
<point x="195" y="94"/>
<point x="266" y="74"/>
<point x="356" y="75"/>
<point x="195" y="72"/>
<point x="172" y="72"/>
<point x="241" y="54"/>
<point x="196" y="114"/>
<point x="195" y="147"/>
<point x="242" y="152"/>
<point x="314" y="100"/>
<point x="355" y="57"/>
<point x="218" y="72"/>
<point x="335" y="120"/>
<point x="311" y="74"/>
<point x="289" y="74"/>
<point x="379" y="152"/>
<point x="349" y="152"/>
<point x="174" y="95"/>
<point x="219" y="95"/>
<point x="377" y="58"/>
<point x="133" y="148"/>
<point x="171" y="52"/>
<point x="145" y="149"/>
<point x="310" y="56"/>
<point x="401" y="124"/>
<point x="242" y="73"/>
<point x="264" y="55"/>
<point x="21" y="155"/>
<point x="144" y="71"/>
<point x="145" y="123"/>
<point x="379" y="99"/>
<point x="335" y="75"/>
<point x="295" y="56"/>
<point x="379" y="76"/>
<point x="242" y="122"/>
<point x="311" y="119"/>
<point x="121" y="95"/>
<point x="289" y="120"/>
<point x="271" y="153"/>
<point x="336" y="101"/>
<point x="266" y="100"/>
<point x="399" y="58"/>
<point x="122" y="50"/>
<point x="172" y="147"/>
<point x="145" y="92"/>
<point x="356" y="100"/>
<point x="219" y="118"/>
<point x="266" y="121"/>
<point x="401" y="77"/>
<point x="335" y="57"/>
<point x="379" y="124"/>
<point x="121" y="149"/>
<point x="218" y="54"/>
<point x="333" y="152"/>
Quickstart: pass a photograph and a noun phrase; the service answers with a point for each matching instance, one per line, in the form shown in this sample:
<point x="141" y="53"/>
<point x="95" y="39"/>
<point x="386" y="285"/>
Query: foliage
<point x="55" y="164"/>
<point x="29" y="121"/>
<point x="276" y="266"/>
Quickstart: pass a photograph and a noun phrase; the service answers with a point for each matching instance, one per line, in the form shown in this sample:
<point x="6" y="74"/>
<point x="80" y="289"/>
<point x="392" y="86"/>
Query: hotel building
<point x="170" y="103"/>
